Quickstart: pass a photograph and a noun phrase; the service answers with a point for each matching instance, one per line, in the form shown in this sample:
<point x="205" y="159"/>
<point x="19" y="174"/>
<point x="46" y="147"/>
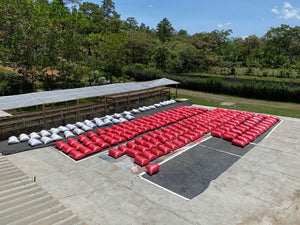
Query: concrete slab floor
<point x="263" y="187"/>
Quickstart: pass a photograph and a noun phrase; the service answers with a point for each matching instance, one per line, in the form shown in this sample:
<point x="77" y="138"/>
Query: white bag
<point x="34" y="142"/>
<point x="54" y="130"/>
<point x="34" y="135"/>
<point x="107" y="122"/>
<point x="45" y="133"/>
<point x="71" y="126"/>
<point x="115" y="121"/>
<point x="46" y="140"/>
<point x="126" y="113"/>
<point x="135" y="111"/>
<point x="23" y="137"/>
<point x="86" y="128"/>
<point x="79" y="124"/>
<point x="99" y="122"/>
<point x="117" y="115"/>
<point x="68" y="134"/>
<point x="56" y="137"/>
<point x="151" y="107"/>
<point x="78" y="131"/>
<point x="13" y="140"/>
<point x="63" y="128"/>
<point x="90" y="123"/>
<point x="109" y="117"/>
<point x="142" y="109"/>
<point x="122" y="120"/>
<point x="129" y="117"/>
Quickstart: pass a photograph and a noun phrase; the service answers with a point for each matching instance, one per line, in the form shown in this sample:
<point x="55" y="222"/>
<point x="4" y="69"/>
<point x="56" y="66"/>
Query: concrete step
<point x="24" y="202"/>
<point x="41" y="213"/>
<point x="15" y="184"/>
<point x="4" y="162"/>
<point x="8" y="176"/>
<point x="16" y="189"/>
<point x="9" y="171"/>
<point x="24" y="198"/>
<point x="13" y="179"/>
<point x="23" y="212"/>
<point x="53" y="218"/>
<point x="19" y="194"/>
<point x="71" y="220"/>
<point x="27" y="204"/>
<point x="5" y="167"/>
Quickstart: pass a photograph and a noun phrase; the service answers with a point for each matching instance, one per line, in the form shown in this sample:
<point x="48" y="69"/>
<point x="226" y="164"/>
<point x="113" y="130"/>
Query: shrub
<point x="268" y="90"/>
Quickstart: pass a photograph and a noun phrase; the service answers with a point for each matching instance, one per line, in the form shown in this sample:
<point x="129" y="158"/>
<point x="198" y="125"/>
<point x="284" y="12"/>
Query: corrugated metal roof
<point x="46" y="97"/>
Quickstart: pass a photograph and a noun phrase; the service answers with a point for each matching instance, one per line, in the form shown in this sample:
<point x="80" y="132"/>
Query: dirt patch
<point x="236" y="100"/>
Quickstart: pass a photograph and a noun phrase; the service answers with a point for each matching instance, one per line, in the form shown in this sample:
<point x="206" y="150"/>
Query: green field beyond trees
<point x="67" y="44"/>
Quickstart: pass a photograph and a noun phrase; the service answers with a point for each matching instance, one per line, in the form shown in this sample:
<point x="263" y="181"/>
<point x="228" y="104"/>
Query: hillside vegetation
<point x="66" y="44"/>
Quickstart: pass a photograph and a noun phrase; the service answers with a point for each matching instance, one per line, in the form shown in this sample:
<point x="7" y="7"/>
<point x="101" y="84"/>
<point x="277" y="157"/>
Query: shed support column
<point x="128" y="100"/>
<point x="176" y="90"/>
<point x="44" y="111"/>
<point x="77" y="107"/>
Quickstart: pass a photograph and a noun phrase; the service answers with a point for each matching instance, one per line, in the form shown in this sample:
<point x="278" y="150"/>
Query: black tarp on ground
<point x="190" y="173"/>
<point x="6" y="149"/>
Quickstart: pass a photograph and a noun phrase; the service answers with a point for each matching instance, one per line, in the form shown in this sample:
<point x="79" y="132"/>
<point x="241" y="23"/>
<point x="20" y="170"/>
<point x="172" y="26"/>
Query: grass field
<point x="259" y="106"/>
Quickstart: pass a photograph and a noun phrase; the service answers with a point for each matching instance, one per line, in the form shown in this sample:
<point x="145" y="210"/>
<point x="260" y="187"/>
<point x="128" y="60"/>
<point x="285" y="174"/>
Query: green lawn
<point x="268" y="109"/>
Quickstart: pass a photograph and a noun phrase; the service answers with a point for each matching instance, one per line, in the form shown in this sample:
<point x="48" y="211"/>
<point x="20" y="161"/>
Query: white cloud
<point x="287" y="5"/>
<point x="275" y="10"/>
<point x="288" y="12"/>
<point x="224" y="24"/>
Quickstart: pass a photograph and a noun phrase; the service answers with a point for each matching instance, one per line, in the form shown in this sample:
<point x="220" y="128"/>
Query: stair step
<point x="23" y="201"/>
<point x="18" y="215"/>
<point x="15" y="184"/>
<point x="71" y="220"/>
<point x="28" y="204"/>
<point x="25" y="198"/>
<point x="59" y="216"/>
<point x="20" y="193"/>
<point x="8" y="176"/>
<point x="4" y="167"/>
<point x="12" y="190"/>
<point x="9" y="171"/>
<point x="37" y="216"/>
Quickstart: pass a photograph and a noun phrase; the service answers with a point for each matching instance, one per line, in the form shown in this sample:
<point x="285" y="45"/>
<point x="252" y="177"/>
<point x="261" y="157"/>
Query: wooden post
<point x="148" y="95"/>
<point x="78" y="107"/>
<point x="44" y="111"/>
<point x="105" y="103"/>
<point x="176" y="90"/>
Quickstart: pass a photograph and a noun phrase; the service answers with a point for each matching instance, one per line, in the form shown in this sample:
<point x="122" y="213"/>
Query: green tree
<point x="131" y="23"/>
<point x="164" y="30"/>
<point x="283" y="41"/>
<point x="110" y="52"/>
<point x="108" y="9"/>
<point x="140" y="46"/>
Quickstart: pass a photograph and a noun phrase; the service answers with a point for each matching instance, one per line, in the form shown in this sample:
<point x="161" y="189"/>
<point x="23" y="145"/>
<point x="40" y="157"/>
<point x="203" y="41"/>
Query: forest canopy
<point x="63" y="44"/>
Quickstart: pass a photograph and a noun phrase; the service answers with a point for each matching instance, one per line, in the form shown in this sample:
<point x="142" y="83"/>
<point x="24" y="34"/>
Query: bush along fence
<point x="267" y="90"/>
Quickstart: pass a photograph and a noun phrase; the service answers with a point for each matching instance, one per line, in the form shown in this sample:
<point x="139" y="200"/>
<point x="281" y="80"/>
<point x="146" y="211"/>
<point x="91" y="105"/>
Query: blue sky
<point x="243" y="17"/>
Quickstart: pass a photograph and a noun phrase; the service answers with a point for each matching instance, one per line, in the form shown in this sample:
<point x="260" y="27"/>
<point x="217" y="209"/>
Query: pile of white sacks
<point x="70" y="130"/>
